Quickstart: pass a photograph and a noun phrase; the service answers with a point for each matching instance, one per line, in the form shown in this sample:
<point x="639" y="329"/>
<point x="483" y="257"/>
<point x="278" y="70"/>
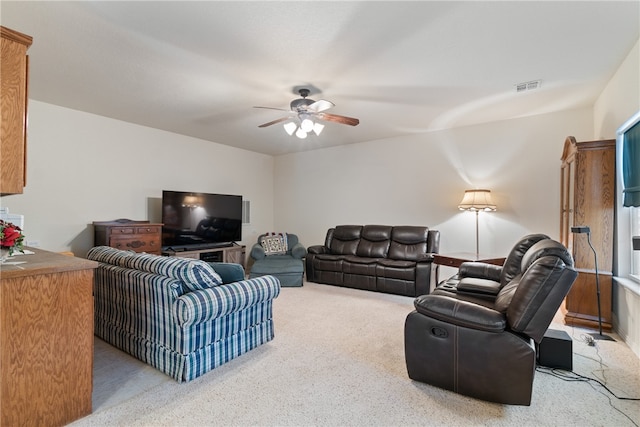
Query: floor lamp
<point x="587" y="230"/>
<point x="476" y="201"/>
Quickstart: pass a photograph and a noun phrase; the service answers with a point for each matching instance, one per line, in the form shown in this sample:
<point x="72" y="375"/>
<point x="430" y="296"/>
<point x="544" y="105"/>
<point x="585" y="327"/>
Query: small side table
<point x="456" y="259"/>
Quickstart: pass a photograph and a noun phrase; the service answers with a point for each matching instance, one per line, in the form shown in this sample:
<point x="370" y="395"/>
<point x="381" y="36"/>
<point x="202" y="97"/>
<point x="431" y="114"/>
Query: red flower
<point x="11" y="236"/>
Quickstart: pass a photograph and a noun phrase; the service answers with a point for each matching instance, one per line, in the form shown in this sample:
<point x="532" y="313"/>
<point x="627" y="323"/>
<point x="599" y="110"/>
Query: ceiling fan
<point x="308" y="112"/>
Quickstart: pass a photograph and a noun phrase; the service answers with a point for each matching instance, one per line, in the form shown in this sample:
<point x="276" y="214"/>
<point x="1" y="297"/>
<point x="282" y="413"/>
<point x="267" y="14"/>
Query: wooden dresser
<point x="588" y="177"/>
<point x="46" y="339"/>
<point x="125" y="234"/>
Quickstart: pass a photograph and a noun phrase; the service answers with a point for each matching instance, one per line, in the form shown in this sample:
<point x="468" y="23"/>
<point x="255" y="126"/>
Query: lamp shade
<point x="477" y="200"/>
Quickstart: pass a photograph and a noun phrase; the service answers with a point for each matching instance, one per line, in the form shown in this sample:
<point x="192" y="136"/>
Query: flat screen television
<point x="200" y="220"/>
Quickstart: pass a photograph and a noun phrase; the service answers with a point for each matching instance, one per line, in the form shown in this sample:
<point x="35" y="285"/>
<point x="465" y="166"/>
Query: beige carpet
<point x="338" y="360"/>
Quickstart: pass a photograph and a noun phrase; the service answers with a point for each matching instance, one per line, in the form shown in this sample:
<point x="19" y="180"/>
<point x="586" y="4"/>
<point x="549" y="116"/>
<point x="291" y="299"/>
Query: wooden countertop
<point x="43" y="262"/>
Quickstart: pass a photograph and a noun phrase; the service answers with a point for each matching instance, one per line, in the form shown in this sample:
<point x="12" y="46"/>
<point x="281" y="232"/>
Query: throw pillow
<point x="229" y="272"/>
<point x="274" y="244"/>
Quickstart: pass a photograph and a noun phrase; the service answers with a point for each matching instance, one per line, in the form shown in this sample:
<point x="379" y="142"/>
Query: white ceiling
<point x="198" y="68"/>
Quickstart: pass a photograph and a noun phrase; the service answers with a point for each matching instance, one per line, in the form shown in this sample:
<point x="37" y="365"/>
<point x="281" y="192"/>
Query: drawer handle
<point x="135" y="244"/>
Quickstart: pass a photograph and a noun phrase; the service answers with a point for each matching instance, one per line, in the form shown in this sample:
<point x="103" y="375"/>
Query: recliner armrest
<point x="318" y="249"/>
<point x="460" y="313"/>
<point x="426" y="257"/>
<point x="480" y="270"/>
<point x="476" y="285"/>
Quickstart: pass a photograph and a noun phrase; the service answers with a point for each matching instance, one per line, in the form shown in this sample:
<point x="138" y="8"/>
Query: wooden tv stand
<point x="234" y="254"/>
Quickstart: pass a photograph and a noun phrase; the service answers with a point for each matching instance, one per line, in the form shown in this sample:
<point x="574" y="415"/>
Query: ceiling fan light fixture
<point x="317" y="128"/>
<point x="301" y="133"/>
<point x="290" y="127"/>
<point x="306" y="124"/>
<point x="304" y="114"/>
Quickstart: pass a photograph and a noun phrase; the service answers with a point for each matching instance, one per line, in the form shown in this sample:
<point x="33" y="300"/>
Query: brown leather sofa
<point x="486" y="347"/>
<point x="383" y="258"/>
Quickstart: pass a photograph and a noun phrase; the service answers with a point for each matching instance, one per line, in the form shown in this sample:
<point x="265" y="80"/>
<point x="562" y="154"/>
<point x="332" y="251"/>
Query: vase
<point x="4" y="254"/>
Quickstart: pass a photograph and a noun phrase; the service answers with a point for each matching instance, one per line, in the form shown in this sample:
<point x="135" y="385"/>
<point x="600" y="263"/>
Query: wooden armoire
<point x="588" y="177"/>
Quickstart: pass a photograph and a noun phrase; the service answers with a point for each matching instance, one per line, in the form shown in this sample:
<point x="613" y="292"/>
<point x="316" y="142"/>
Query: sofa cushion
<point x="374" y="241"/>
<point x="278" y="264"/>
<point x="408" y="243"/>
<point x="396" y="269"/>
<point x="358" y="265"/>
<point x="345" y="239"/>
<point x="354" y="259"/>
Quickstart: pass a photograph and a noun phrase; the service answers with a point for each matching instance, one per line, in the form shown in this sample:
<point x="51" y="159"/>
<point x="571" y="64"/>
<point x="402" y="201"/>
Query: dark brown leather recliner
<point x="479" y="281"/>
<point x="488" y="350"/>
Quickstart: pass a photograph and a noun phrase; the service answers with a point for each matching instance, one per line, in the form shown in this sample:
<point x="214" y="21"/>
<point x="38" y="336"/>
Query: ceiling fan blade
<point x="338" y="119"/>
<point x="320" y="106"/>
<point x="273" y="122"/>
<point x="272" y="108"/>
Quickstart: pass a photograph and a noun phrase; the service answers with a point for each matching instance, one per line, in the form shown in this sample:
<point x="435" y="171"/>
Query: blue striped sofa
<point x="176" y="314"/>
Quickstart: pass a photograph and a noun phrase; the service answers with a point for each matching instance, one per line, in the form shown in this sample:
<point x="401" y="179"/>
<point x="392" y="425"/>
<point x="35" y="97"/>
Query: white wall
<point x="420" y="179"/>
<point x="83" y="168"/>
<point x="619" y="101"/>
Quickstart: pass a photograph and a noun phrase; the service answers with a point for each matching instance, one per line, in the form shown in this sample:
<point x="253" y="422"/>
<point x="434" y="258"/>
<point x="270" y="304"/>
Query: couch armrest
<point x="460" y="313"/>
<point x="257" y="251"/>
<point x="426" y="257"/>
<point x="480" y="270"/>
<point x="206" y="304"/>
<point x="317" y="249"/>
<point x="298" y="251"/>
<point x="476" y="285"/>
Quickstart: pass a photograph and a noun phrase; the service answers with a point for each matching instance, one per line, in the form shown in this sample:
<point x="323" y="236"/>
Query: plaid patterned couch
<point x="177" y="314"/>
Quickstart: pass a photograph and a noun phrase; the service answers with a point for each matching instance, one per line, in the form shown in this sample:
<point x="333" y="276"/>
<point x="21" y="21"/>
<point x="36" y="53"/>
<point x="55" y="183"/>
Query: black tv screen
<point x="200" y="220"/>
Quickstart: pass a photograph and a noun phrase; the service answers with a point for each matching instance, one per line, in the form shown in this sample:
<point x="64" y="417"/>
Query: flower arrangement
<point x="11" y="237"/>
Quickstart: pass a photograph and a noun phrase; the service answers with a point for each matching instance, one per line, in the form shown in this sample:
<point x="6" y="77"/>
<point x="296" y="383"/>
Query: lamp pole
<point x="477" y="237"/>
<point x="587" y="230"/>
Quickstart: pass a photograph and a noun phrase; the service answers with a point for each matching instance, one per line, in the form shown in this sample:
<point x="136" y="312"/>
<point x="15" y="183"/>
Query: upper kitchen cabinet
<point x="14" y="71"/>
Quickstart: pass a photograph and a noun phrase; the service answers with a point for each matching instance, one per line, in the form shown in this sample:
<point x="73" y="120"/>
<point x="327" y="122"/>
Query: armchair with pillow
<point x="280" y="255"/>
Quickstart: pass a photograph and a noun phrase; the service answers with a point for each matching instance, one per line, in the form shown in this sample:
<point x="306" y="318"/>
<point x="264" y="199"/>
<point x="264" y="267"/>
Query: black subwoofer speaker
<point x="556" y="350"/>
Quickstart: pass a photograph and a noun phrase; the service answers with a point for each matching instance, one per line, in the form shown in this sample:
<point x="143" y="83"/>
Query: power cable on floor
<point x="573" y="376"/>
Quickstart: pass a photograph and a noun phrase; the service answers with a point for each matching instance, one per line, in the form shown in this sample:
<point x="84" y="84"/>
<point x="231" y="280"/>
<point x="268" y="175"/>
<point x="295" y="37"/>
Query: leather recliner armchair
<point x="479" y="281"/>
<point x="488" y="350"/>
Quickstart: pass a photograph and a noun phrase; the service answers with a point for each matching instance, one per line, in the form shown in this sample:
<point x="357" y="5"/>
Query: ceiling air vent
<point x="523" y="87"/>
